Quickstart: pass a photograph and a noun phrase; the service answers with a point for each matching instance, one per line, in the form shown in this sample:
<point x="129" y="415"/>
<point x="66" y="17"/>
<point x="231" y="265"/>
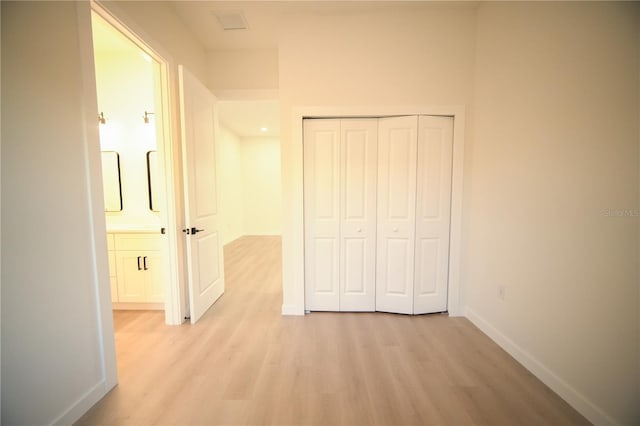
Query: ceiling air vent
<point x="232" y="20"/>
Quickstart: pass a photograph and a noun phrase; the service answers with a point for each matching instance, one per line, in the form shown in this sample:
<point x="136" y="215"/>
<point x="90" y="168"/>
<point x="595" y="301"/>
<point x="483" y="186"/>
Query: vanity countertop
<point x="136" y="229"/>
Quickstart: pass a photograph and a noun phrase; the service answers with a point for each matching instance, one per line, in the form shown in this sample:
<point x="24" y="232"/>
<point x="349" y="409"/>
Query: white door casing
<point x="359" y="147"/>
<point x="433" y="213"/>
<point x="204" y="250"/>
<point x="397" y="150"/>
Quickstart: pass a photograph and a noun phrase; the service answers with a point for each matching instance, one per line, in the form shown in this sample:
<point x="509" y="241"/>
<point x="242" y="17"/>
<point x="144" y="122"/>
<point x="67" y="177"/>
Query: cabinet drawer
<point x="137" y="242"/>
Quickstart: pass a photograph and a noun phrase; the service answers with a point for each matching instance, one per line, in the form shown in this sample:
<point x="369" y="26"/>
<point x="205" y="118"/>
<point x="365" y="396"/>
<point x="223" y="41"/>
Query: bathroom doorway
<point x="132" y="88"/>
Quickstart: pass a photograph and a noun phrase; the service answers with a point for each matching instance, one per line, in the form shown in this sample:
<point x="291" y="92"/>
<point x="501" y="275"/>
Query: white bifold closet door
<point x="433" y="214"/>
<point x="397" y="150"/>
<point x="377" y="204"/>
<point x="340" y="160"/>
<point x="414" y="206"/>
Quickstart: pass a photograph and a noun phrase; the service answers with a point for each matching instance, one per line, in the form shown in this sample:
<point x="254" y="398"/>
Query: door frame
<point x="104" y="311"/>
<point x="293" y="233"/>
<point x="173" y="307"/>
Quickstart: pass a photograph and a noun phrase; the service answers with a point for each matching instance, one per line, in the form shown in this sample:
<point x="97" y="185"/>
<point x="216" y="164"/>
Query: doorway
<point x="132" y="88"/>
<point x="249" y="144"/>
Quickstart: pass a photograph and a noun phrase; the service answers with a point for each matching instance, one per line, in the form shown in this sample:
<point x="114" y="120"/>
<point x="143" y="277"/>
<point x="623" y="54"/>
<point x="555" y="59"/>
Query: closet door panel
<point x="322" y="214"/>
<point x="358" y="214"/>
<point x="354" y="269"/>
<point x="397" y="150"/>
<point x="398" y="266"/>
<point x="435" y="154"/>
<point x="428" y="252"/>
<point x="325" y="267"/>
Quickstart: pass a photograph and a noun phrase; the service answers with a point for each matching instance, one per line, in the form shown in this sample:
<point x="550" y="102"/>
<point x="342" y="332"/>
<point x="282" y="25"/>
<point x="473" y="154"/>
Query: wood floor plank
<point x="244" y="363"/>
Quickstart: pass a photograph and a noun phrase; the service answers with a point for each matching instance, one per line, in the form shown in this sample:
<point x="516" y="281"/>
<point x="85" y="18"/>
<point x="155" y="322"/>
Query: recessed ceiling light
<point x="263" y="129"/>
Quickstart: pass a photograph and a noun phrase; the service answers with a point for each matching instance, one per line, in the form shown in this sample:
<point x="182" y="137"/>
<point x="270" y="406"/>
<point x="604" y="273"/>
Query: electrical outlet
<point x="502" y="290"/>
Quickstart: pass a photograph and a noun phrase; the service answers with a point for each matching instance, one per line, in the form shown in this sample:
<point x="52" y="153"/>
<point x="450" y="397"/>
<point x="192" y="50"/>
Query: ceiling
<point x="267" y="18"/>
<point x="200" y="17"/>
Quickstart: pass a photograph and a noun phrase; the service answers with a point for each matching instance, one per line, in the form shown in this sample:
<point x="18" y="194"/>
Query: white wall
<point x="51" y="358"/>
<point x="245" y="69"/>
<point x="230" y="184"/>
<point x="556" y="145"/>
<point x="261" y="186"/>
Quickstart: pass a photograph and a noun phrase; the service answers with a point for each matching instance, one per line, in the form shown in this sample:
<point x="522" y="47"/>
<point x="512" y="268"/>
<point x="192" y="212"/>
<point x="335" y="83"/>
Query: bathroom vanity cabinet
<point x="135" y="268"/>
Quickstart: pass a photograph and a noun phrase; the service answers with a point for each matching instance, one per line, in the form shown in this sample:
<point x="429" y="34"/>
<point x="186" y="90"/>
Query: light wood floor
<point x="244" y="363"/>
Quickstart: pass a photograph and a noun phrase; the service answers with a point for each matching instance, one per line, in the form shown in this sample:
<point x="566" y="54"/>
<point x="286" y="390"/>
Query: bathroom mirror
<point x="111" y="181"/>
<point x="152" y="179"/>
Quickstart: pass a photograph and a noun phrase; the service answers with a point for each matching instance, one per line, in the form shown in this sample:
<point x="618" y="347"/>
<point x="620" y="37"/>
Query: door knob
<point x="359" y="230"/>
<point x="192" y="231"/>
<point x="395" y="229"/>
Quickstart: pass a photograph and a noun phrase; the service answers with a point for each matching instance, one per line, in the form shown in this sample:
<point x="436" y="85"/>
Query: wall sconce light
<point x="101" y="119"/>
<point x="146" y="117"/>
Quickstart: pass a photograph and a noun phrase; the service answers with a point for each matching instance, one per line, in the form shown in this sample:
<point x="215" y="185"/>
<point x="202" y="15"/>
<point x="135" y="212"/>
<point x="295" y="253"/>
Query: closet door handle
<point x="139" y="268"/>
<point x="395" y="229"/>
<point x="359" y="230"/>
<point x="144" y="262"/>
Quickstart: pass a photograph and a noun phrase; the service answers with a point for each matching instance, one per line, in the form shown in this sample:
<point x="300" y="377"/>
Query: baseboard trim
<point x="458" y="312"/>
<point x="292" y="310"/>
<point x="82" y="405"/>
<point x="574" y="398"/>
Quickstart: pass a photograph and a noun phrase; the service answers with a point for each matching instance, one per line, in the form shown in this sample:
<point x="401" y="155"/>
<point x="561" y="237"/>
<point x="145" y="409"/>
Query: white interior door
<point x="397" y="150"/>
<point x="433" y="213"/>
<point x="204" y="250"/>
<point x="359" y="142"/>
<point x="321" y="153"/>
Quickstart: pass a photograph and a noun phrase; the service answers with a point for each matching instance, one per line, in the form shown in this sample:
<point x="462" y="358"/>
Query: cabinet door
<point x="131" y="276"/>
<point x="358" y="146"/>
<point x="154" y="290"/>
<point x="113" y="276"/>
<point x="397" y="149"/>
<point x="433" y="213"/>
<point x="322" y="214"/>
